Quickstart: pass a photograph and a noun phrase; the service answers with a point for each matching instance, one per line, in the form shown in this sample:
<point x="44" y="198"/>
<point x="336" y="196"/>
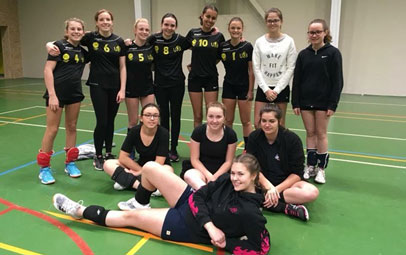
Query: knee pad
<point x="44" y="158"/>
<point x="96" y="213"/>
<point x="311" y="157"/>
<point x="71" y="154"/>
<point x="323" y="160"/>
<point x="123" y="178"/>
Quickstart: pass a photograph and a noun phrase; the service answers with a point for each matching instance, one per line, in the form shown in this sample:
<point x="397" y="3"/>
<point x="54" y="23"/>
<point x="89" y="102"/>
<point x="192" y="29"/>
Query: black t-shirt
<point x="168" y="59"/>
<point x="205" y="48"/>
<point x="213" y="154"/>
<point x="68" y="70"/>
<point x="139" y="61"/>
<point x="235" y="60"/>
<point x="158" y="147"/>
<point x="105" y="53"/>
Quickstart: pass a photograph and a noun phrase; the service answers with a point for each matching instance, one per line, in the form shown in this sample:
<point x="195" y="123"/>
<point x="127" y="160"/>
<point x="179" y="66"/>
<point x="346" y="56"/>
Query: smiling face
<point x="215" y="118"/>
<point x="269" y="123"/>
<point x="208" y="19"/>
<point x="150" y="117"/>
<point x="316" y="34"/>
<point x="74" y="32"/>
<point x="104" y="22"/>
<point x="168" y="27"/>
<point x="142" y="30"/>
<point x="273" y="23"/>
<point x="235" y="29"/>
<point x="241" y="178"/>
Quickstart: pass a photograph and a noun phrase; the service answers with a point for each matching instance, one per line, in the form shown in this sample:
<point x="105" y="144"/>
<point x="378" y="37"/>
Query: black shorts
<point x="197" y="84"/>
<point x="62" y="103"/>
<point x="174" y="227"/>
<point x="313" y="108"/>
<point x="136" y="92"/>
<point x="234" y="92"/>
<point x="283" y="97"/>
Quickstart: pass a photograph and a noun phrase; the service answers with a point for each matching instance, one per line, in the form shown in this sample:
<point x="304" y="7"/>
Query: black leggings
<point x="105" y="107"/>
<point x="171" y="97"/>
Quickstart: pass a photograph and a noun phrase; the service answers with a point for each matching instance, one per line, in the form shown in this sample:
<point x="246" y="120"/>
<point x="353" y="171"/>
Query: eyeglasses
<point x="318" y="32"/>
<point x="273" y="20"/>
<point x="150" y="116"/>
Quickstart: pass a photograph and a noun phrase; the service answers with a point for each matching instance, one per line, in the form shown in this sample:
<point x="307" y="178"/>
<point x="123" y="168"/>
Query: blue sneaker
<point x="72" y="170"/>
<point x="45" y="175"/>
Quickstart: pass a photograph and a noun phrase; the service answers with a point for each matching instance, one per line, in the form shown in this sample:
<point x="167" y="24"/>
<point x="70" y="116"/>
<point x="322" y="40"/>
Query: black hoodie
<point x="237" y="214"/>
<point x="318" y="79"/>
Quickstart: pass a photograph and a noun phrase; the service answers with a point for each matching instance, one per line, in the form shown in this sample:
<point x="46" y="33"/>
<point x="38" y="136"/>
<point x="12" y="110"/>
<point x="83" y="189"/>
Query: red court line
<point x="220" y="251"/>
<point x="184" y="139"/>
<point x="82" y="245"/>
<point x="7" y="210"/>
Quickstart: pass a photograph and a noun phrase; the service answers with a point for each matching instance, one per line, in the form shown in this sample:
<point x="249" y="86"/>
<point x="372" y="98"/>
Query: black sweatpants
<point x="170" y="102"/>
<point x="105" y="108"/>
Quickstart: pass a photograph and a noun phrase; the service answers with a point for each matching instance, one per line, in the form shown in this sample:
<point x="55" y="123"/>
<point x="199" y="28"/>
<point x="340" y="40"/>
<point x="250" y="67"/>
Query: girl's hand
<point x="296" y="111"/>
<point x="271" y="197"/>
<point x="120" y="96"/>
<point x="53" y="103"/>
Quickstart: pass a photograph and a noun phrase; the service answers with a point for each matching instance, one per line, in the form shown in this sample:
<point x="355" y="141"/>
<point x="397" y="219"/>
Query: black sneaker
<point x="98" y="163"/>
<point x="109" y="156"/>
<point x="173" y="156"/>
<point x="298" y="211"/>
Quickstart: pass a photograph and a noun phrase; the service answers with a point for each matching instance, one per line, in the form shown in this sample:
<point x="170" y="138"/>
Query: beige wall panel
<point x="372" y="42"/>
<point x="43" y="20"/>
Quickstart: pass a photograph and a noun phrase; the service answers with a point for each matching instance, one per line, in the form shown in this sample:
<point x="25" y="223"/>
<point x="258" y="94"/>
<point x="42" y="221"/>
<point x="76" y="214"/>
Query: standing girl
<point x="62" y="75"/>
<point x="239" y="79"/>
<point x="203" y="74"/>
<point x="317" y="86"/>
<point x="169" y="78"/>
<point x="107" y="79"/>
<point x="274" y="61"/>
<point x="139" y="60"/>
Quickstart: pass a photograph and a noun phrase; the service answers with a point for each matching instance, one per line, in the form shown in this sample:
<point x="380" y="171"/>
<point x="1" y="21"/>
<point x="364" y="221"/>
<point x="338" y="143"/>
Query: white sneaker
<point x="156" y="193"/>
<point x="65" y="205"/>
<point x="117" y="186"/>
<point x="321" y="176"/>
<point x="309" y="172"/>
<point x="132" y="204"/>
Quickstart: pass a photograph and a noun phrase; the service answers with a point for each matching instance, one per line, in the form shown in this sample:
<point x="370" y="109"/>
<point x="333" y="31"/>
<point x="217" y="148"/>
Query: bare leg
<point x="283" y="107"/>
<point x="210" y="97"/>
<point x="132" y="111"/>
<point x="301" y="192"/>
<point x="309" y="122"/>
<point x="71" y="119"/>
<point x="321" y="124"/>
<point x="157" y="176"/>
<point x="53" y="120"/>
<point x="150" y="99"/>
<point x="257" y="108"/>
<point x="195" y="178"/>
<point x="245" y="116"/>
<point x="196" y="98"/>
<point x="230" y="111"/>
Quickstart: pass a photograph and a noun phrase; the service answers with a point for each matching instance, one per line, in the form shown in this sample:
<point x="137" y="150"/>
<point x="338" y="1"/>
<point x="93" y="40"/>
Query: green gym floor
<point x="361" y="209"/>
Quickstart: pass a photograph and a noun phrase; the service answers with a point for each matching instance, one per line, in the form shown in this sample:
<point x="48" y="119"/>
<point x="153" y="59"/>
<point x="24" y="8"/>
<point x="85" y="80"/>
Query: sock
<point x="322" y="159"/>
<point x="96" y="213"/>
<point x="280" y="208"/>
<point x="143" y="195"/>
<point x="311" y="157"/>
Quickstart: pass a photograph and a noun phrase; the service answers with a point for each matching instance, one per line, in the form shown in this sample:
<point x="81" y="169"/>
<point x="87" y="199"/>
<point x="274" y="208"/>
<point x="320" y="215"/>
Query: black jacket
<point x="291" y="154"/>
<point x="237" y="214"/>
<point x="318" y="78"/>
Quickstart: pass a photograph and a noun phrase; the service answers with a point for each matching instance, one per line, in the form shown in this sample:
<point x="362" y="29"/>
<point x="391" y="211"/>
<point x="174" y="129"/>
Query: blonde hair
<point x="68" y="21"/>
<point x="139" y="21"/>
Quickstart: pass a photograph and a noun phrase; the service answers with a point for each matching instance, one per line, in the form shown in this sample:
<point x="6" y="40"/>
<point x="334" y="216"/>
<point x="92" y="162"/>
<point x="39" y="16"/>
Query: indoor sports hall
<point x="360" y="209"/>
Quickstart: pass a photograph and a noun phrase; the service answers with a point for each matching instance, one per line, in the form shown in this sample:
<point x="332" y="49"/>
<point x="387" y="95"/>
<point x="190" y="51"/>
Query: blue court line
<point x="370" y="154"/>
<point x="56" y="153"/>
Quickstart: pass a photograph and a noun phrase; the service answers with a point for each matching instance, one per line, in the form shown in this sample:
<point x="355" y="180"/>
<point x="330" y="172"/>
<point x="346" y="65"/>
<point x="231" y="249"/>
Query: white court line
<point x="349" y="102"/>
<point x="182" y="141"/>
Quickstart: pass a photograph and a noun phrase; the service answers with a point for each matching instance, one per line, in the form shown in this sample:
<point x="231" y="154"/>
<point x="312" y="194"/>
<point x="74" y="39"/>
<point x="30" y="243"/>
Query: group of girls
<point x="120" y="71"/>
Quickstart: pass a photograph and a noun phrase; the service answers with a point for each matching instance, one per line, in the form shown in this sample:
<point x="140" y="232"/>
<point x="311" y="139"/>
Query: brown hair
<point x="216" y="104"/>
<point x="207" y="7"/>
<point x="96" y="16"/>
<point x="150" y="105"/>
<point x="236" y="19"/>
<point x="270" y="108"/>
<point x="170" y="15"/>
<point x="251" y="163"/>
<point x="68" y="21"/>
<point x="328" y="38"/>
<point x="274" y="10"/>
